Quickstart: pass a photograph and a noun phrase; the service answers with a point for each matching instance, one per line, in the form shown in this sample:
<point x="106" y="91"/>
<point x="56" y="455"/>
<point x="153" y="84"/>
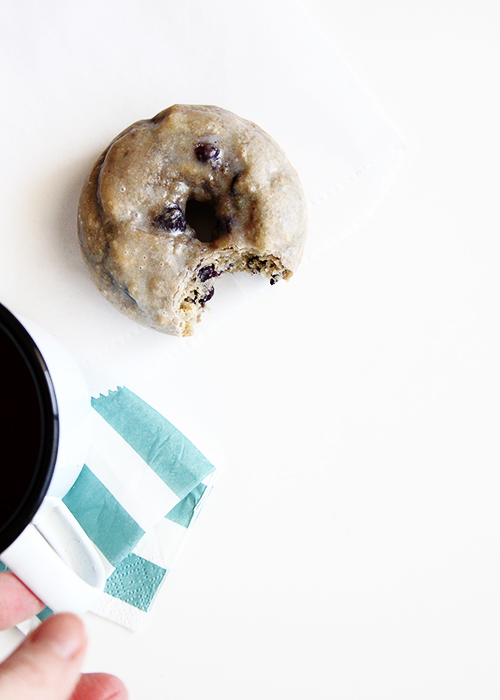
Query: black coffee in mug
<point x="45" y="432"/>
<point x="28" y="428"/>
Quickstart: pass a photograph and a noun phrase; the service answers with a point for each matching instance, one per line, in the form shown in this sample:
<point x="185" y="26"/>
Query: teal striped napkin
<point x="140" y="490"/>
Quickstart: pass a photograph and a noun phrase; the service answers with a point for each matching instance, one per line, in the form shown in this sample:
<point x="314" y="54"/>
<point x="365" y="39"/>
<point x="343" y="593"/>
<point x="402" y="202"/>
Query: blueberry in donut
<point x="176" y="201"/>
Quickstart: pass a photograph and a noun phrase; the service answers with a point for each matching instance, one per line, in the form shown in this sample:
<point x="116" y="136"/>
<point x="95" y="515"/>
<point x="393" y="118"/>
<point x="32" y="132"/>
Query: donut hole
<point x="201" y="217"/>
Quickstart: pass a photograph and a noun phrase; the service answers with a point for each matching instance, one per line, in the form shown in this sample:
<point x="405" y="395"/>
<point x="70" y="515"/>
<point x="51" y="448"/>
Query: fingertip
<point x="47" y="664"/>
<point x="63" y="635"/>
<point x="100" y="685"/>
<point x="18" y="603"/>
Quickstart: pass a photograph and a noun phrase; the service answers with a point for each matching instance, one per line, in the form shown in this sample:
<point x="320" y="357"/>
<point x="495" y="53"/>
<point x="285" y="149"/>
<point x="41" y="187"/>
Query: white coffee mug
<point x="46" y="421"/>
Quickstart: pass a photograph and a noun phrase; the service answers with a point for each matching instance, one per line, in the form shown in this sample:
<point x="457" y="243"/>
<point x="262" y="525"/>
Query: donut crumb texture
<point x="178" y="200"/>
<point x="199" y="290"/>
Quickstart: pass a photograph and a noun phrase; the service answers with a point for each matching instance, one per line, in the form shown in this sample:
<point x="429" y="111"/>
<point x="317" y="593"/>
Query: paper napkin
<point x="140" y="490"/>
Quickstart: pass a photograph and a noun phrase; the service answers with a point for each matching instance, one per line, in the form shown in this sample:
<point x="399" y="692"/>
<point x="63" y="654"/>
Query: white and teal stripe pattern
<point x="141" y="488"/>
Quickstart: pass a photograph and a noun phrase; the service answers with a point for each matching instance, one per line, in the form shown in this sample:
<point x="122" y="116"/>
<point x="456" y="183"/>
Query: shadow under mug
<point x="45" y="428"/>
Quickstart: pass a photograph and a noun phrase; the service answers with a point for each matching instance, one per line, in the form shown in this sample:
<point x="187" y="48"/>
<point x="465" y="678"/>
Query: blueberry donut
<point x="177" y="200"/>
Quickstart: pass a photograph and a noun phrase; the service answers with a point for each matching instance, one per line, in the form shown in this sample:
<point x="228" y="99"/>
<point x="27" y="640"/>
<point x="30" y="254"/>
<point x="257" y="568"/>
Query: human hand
<point x="46" y="666"/>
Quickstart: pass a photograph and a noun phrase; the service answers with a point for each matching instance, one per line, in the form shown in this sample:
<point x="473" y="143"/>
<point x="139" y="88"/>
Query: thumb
<point x="46" y="666"/>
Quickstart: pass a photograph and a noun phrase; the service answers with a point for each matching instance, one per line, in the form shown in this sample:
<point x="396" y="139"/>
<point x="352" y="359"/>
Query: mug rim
<point x="44" y="469"/>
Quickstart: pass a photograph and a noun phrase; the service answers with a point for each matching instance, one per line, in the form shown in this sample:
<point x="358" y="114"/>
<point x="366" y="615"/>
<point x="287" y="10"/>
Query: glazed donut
<point x="177" y="200"/>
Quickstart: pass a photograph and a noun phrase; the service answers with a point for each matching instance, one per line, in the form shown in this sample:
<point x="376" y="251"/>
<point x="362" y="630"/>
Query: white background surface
<point x="351" y="548"/>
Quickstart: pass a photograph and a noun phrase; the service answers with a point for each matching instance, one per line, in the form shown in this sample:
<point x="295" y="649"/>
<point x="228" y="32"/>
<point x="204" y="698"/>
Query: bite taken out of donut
<point x="179" y="199"/>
